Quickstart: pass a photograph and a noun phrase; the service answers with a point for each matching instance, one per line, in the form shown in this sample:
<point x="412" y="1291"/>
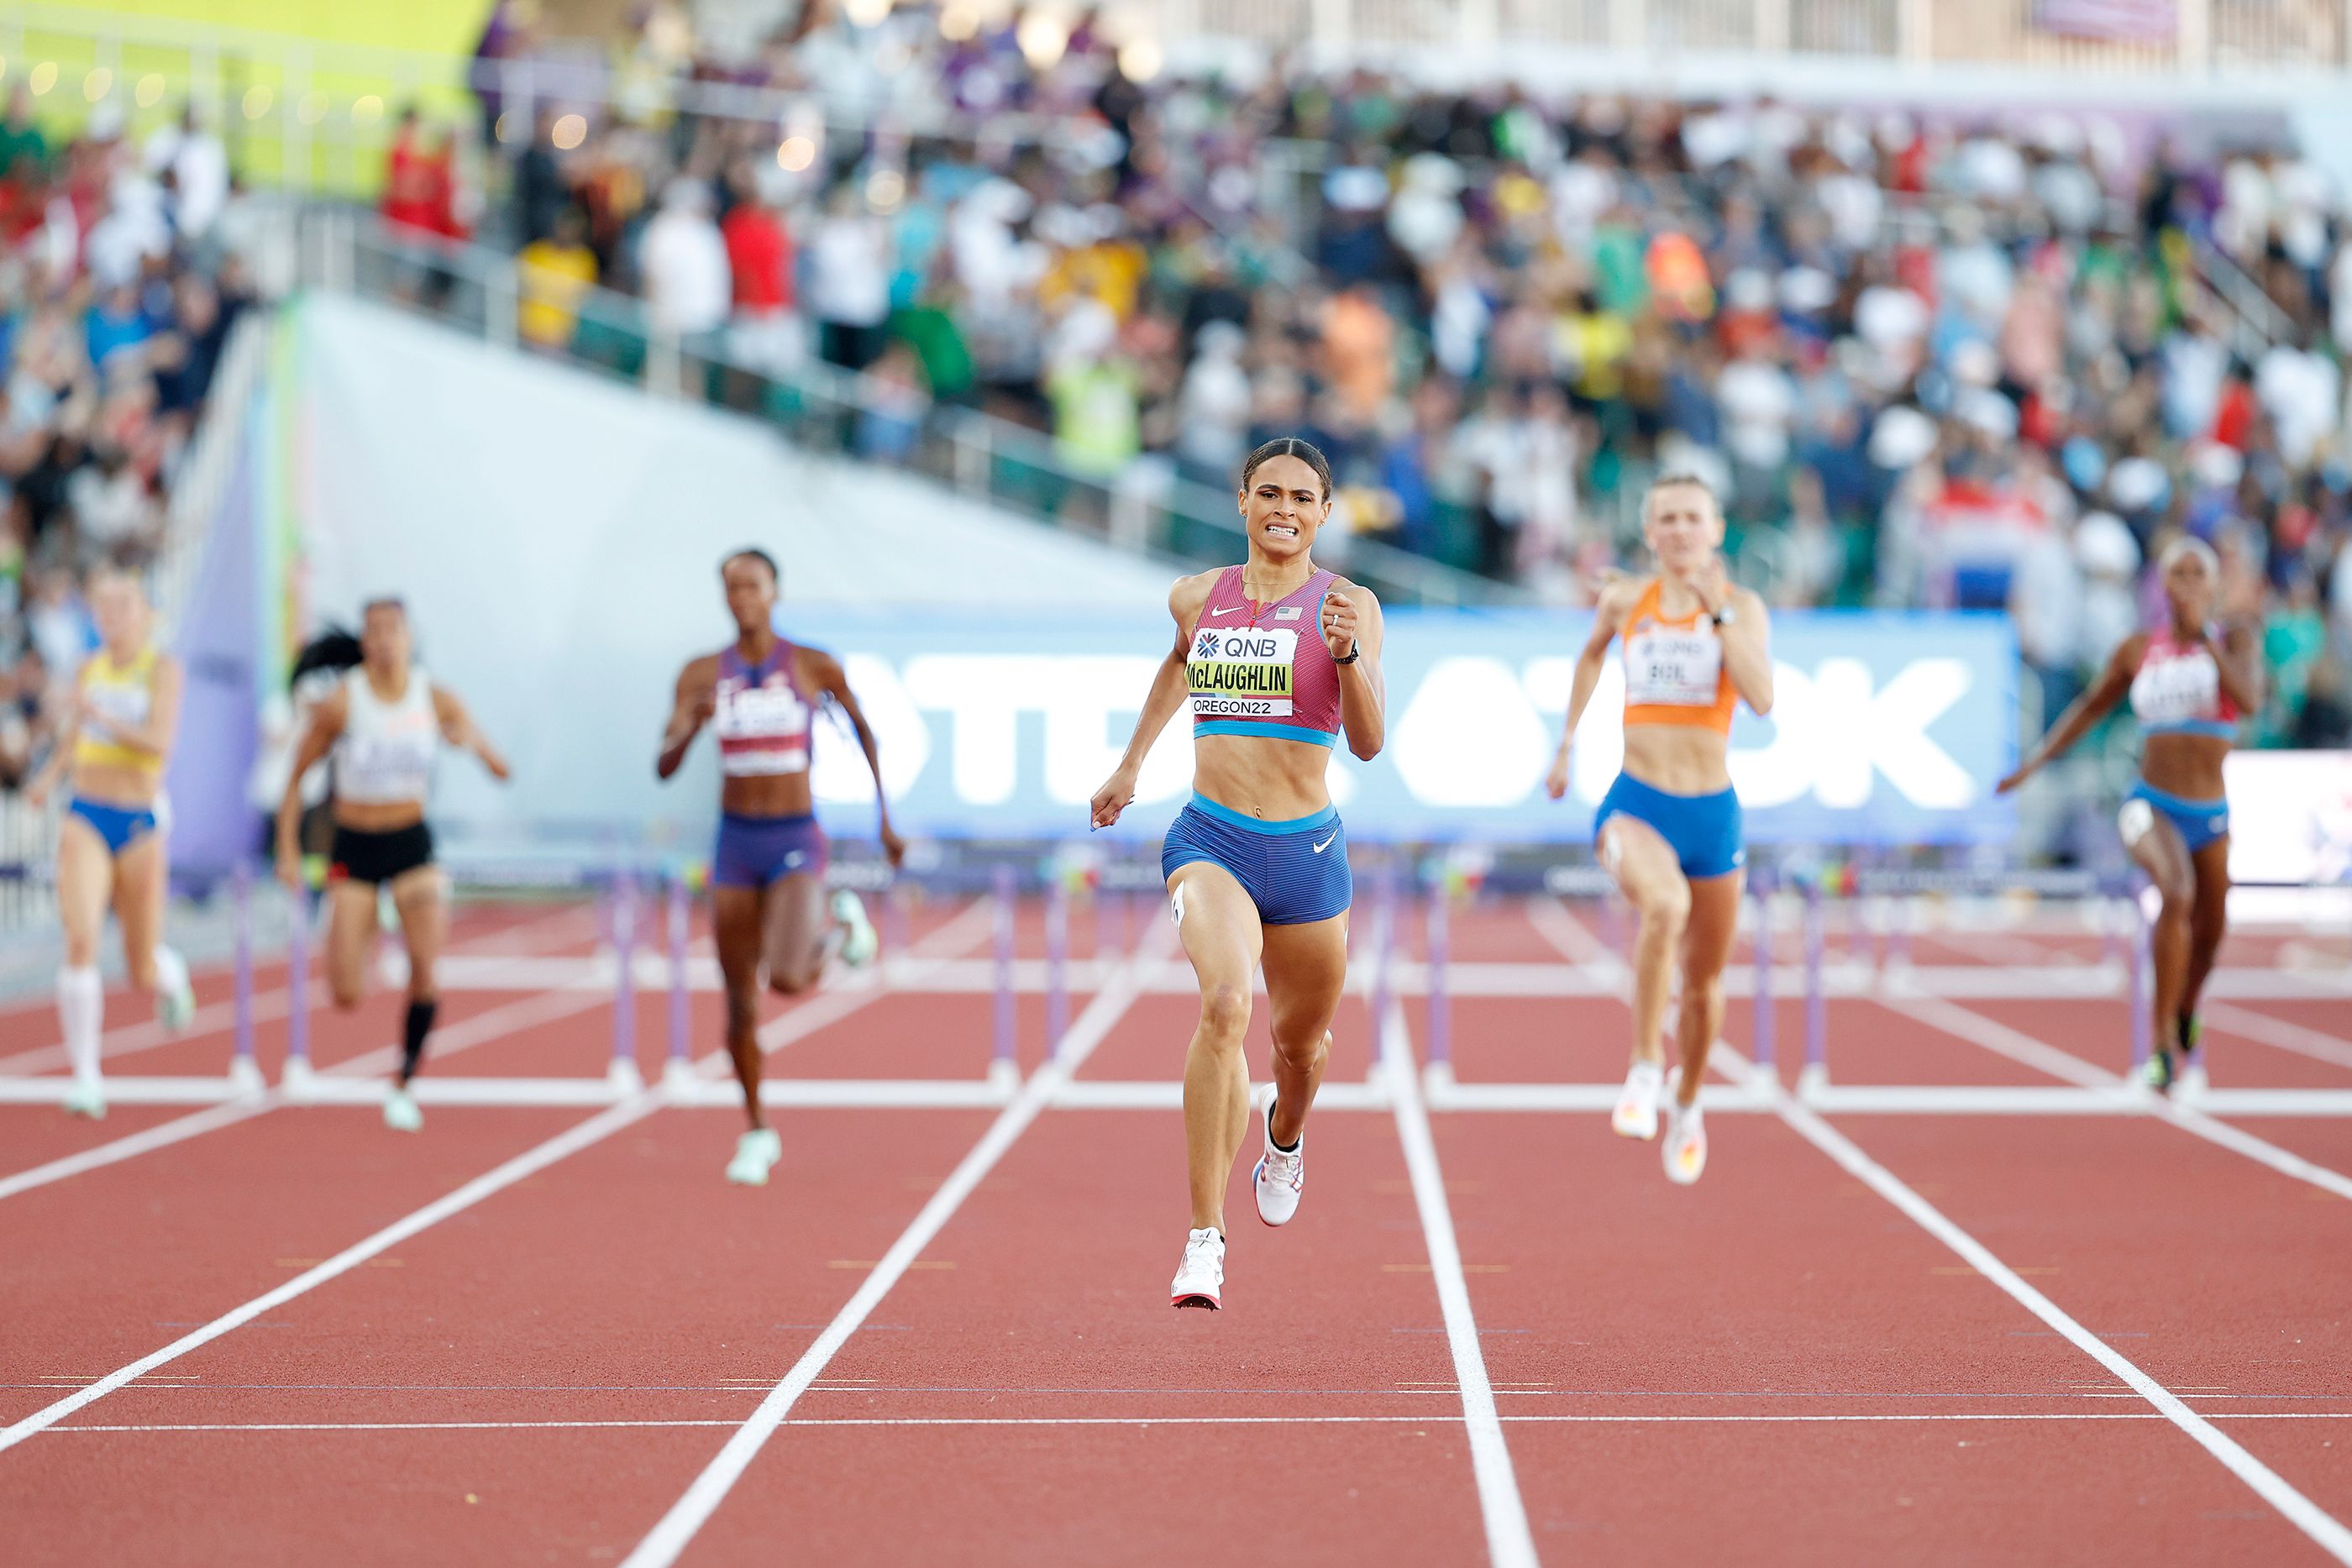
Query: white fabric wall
<point x="557" y="537"/>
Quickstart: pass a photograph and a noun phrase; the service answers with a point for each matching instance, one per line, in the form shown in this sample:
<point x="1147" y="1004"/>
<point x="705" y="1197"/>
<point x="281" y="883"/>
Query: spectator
<point x="195" y="163"/>
<point x="554" y="274"/>
<point x="765" y="333"/>
<point x="683" y="261"/>
<point x="849" y="289"/>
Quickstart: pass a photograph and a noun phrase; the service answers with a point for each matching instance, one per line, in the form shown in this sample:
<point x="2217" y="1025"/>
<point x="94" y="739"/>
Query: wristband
<point x="1355" y="651"/>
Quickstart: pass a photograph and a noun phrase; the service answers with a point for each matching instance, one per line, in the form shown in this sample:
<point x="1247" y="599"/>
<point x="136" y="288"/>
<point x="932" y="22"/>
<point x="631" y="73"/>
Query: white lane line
<point x="509" y="1017"/>
<point x="2000" y="1040"/>
<point x="1999" y="1037"/>
<point x="1574" y="940"/>
<point x="2278" y="1033"/>
<point x="161" y="1136"/>
<point x="2266" y="1483"/>
<point x="692" y="1510"/>
<point x="1510" y="1543"/>
<point x="529" y="1163"/>
<point x="213" y="1018"/>
<point x="1439" y="1418"/>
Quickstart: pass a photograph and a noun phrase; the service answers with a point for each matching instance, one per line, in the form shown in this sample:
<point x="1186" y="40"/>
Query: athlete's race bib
<point x="2177" y="690"/>
<point x="763" y="730"/>
<point x="1244" y="672"/>
<point x="1675" y="666"/>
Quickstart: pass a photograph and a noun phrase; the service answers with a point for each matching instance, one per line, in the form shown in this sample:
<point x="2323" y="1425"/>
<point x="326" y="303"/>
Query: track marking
<point x="2266" y="1483"/>
<point x="692" y="1510"/>
<point x="803" y="1424"/>
<point x="509" y="1017"/>
<point x="529" y="1163"/>
<point x="161" y="1136"/>
<point x="1558" y="925"/>
<point x="1510" y="1543"/>
<point x="1999" y="1037"/>
<point x="2278" y="1033"/>
<point x="523" y="1166"/>
<point x="129" y="1039"/>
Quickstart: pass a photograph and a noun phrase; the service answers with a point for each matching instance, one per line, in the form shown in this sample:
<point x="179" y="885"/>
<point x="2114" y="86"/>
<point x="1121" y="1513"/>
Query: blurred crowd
<point x="1984" y="361"/>
<point x="120" y="274"/>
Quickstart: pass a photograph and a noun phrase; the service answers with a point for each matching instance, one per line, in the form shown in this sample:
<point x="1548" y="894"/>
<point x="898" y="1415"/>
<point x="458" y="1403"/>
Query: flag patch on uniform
<point x="1287" y="612"/>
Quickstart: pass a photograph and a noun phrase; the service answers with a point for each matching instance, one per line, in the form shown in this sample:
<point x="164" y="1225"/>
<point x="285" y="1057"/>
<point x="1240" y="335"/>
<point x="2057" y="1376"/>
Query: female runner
<point x="767" y="874"/>
<point x="1278" y="656"/>
<point x="385" y="725"/>
<point x="2187" y="684"/>
<point x="1668" y="829"/>
<point x="118" y="738"/>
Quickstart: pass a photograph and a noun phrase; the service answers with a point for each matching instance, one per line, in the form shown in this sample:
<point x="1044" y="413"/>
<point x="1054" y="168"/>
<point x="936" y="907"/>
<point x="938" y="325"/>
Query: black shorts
<point x="378" y="858"/>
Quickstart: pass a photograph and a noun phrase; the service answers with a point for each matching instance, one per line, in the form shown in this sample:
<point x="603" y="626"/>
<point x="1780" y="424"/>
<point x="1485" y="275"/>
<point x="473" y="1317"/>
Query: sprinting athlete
<point x="1668" y="831"/>
<point x="767" y="875"/>
<point x="2187" y="682"/>
<point x="111" y="849"/>
<point x="1277" y="658"/>
<point x="384" y="727"/>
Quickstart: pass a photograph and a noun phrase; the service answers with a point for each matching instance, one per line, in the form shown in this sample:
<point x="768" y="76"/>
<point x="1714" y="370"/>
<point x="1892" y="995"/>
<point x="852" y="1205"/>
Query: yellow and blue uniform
<point x="122" y="696"/>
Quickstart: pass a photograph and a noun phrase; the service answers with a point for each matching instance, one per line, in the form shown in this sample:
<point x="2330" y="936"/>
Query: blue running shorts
<point x="1702" y="830"/>
<point x="1295" y="872"/>
<point x="2200" y="822"/>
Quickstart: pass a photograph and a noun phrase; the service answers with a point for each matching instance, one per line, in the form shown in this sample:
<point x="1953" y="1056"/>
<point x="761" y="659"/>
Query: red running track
<point x="1776" y="1365"/>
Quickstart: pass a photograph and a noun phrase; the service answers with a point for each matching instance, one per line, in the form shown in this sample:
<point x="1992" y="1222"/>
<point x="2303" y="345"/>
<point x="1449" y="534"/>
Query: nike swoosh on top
<point x="1228" y="609"/>
<point x="1325" y="844"/>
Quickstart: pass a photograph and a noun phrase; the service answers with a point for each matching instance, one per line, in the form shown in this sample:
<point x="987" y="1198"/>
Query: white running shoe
<point x="1280" y="1177"/>
<point x="1637" y="1116"/>
<point x="2191" y="1084"/>
<point x="87" y="1098"/>
<point x="1200" y="1278"/>
<point x="175" y="996"/>
<point x="859" y="943"/>
<point x="756" y="1154"/>
<point x="400" y="1112"/>
<point x="1685" y="1149"/>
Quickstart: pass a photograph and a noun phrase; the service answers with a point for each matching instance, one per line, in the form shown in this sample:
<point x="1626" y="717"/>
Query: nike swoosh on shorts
<point x="1325" y="844"/>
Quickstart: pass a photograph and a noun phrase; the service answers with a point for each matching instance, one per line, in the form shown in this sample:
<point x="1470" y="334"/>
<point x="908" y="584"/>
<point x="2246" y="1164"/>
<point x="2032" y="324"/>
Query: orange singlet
<point x="1674" y="669"/>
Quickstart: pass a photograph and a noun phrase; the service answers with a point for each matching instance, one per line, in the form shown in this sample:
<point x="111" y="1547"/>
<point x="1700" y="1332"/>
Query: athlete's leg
<point x="2155" y="846"/>
<point x="1305" y="970"/>
<point x="735" y="916"/>
<point x="1218" y="925"/>
<point x="85" y="880"/>
<point x="1706" y="945"/>
<point x="1648" y="873"/>
<point x="351" y="923"/>
<point x="422" y="900"/>
<point x="798" y="937"/>
<point x="2208" y="918"/>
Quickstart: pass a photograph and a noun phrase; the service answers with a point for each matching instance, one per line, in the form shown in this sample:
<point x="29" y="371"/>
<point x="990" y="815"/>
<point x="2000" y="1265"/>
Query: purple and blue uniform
<point x="762" y="721"/>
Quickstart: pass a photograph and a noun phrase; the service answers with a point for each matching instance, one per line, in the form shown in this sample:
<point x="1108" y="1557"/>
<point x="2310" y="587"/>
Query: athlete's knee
<point x="786" y="982"/>
<point x="142" y="968"/>
<point x="1666" y="909"/>
<point x="1225" y="1014"/>
<point x="346" y="990"/>
<point x="1303" y="1053"/>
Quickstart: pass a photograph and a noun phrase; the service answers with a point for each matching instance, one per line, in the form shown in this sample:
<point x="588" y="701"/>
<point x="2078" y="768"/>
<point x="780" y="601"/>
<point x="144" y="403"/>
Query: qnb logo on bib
<point x="1682" y="668"/>
<point x="1243" y="674"/>
<point x="760" y="712"/>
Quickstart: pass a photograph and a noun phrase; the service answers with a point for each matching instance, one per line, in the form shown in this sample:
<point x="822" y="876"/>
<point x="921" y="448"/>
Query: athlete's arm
<point x="2238" y="657"/>
<point x="1617" y="597"/>
<point x="695" y="701"/>
<point x="1351" y="619"/>
<point x="326" y="724"/>
<point x="2086" y="710"/>
<point x="1747" y="649"/>
<point x="825" y="674"/>
<point x="458" y="728"/>
<point x="61" y="749"/>
<point x="1169" y="688"/>
<point x="162" y="726"/>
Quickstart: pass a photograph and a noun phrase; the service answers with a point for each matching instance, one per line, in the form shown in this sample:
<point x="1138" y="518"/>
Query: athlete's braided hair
<point x="1289" y="446"/>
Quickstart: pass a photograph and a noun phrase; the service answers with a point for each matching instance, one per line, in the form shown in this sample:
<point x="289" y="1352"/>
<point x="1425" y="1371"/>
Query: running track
<point x="555" y="1334"/>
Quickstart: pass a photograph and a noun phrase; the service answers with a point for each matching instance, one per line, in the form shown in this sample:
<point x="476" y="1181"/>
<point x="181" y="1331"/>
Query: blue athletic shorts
<point x="2200" y="822"/>
<point x="120" y="826"/>
<point x="1295" y="872"/>
<point x="1702" y="830"/>
<point x="754" y="852"/>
